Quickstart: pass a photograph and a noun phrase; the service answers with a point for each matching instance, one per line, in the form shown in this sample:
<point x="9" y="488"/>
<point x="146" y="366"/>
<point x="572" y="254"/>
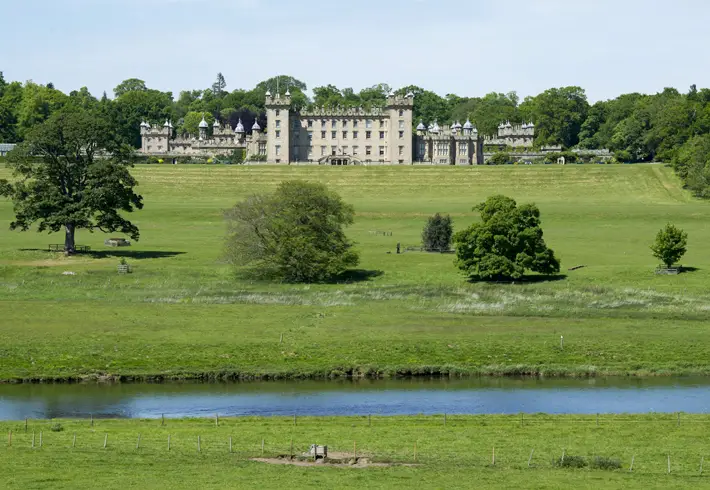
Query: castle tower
<point x="400" y="138"/>
<point x="278" y="128"/>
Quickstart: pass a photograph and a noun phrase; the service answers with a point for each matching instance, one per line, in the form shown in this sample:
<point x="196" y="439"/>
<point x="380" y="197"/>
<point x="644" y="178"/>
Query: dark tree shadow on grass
<point x="127" y="254"/>
<point x="132" y="254"/>
<point x="689" y="269"/>
<point x="355" y="275"/>
<point x="529" y="279"/>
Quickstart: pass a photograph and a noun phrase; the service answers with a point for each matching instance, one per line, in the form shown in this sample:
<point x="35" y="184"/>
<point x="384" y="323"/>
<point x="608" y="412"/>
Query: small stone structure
<point x="117" y="242"/>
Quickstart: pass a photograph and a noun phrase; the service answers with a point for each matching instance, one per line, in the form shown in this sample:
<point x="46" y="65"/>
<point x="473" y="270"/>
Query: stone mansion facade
<point x="356" y="136"/>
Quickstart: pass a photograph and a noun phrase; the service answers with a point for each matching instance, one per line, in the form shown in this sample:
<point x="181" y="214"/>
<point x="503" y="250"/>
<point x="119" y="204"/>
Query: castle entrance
<point x="338" y="160"/>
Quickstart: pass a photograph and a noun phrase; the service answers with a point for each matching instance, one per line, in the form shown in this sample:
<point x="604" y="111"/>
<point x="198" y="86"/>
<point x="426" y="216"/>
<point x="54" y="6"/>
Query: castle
<point x="355" y="136"/>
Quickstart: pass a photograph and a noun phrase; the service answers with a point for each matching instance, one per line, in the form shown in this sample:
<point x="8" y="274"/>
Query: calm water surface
<point x="381" y="397"/>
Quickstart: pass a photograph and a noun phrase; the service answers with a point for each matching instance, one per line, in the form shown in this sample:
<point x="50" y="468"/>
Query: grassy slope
<point x="457" y="455"/>
<point x="182" y="312"/>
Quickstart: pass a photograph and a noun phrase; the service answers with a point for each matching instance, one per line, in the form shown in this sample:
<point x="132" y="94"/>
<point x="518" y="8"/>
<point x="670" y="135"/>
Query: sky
<point x="465" y="47"/>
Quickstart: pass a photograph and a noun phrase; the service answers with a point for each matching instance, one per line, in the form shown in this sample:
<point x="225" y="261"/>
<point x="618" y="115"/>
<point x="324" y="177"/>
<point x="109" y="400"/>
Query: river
<point x="361" y="397"/>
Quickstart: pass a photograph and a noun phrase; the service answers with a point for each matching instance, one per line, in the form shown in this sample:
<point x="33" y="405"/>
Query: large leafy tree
<point x="506" y="243"/>
<point x="558" y="114"/>
<point x="129" y="85"/>
<point x="670" y="245"/>
<point x="294" y="234"/>
<point x="72" y="172"/>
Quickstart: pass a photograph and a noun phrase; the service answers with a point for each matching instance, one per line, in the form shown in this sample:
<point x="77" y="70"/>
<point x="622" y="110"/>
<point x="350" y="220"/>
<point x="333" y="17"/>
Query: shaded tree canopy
<point x="295" y="234"/>
<point x="505" y="244"/>
<point x="81" y="181"/>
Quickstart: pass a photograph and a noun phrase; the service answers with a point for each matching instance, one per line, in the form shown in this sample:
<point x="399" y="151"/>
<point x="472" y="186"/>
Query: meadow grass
<point x="422" y="452"/>
<point x="183" y="313"/>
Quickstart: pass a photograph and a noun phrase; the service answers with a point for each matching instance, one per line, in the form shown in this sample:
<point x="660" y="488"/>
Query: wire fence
<point x="522" y="441"/>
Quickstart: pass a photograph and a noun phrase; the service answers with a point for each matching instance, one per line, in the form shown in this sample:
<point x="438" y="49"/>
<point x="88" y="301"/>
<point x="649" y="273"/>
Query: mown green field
<point x="183" y="313"/>
<point x="456" y="455"/>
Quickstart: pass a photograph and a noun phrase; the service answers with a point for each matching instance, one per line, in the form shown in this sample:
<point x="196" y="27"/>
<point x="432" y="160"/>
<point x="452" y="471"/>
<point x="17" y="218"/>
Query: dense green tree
<point x="488" y="112"/>
<point x="505" y="244"/>
<point x="437" y="233"/>
<point x="692" y="163"/>
<point x="670" y="245"/>
<point x="133" y="107"/>
<point x="191" y="123"/>
<point x="328" y="96"/>
<point x="82" y="180"/>
<point x="37" y="104"/>
<point x="558" y="114"/>
<point x="129" y="85"/>
<point x="294" y="234"/>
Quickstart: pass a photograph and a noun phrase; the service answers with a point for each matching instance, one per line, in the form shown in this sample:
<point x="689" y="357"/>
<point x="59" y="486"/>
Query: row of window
<point x="344" y="123"/>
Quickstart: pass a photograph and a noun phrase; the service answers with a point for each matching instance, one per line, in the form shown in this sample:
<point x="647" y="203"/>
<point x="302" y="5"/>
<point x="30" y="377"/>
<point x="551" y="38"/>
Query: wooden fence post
<point x="669" y="464"/>
<point x="369" y="420"/>
<point x="73" y="442"/>
<point x="530" y="458"/>
<point x="494" y="456"/>
<point x="92" y="419"/>
<point x="631" y="468"/>
<point x="40" y="438"/>
<point x="199" y="446"/>
<point x="9" y="438"/>
<point x="138" y="443"/>
<point x="678" y="419"/>
<point x="262" y="447"/>
<point x="162" y="419"/>
<point x="216" y="420"/>
<point x="230" y="444"/>
<point x="168" y="442"/>
<point x="105" y="440"/>
<point x="294" y="419"/>
<point x="702" y="458"/>
<point x="291" y="448"/>
<point x="415" y="450"/>
<point x="354" y="449"/>
<point x="25" y="424"/>
<point x="33" y="439"/>
<point x="444" y="419"/>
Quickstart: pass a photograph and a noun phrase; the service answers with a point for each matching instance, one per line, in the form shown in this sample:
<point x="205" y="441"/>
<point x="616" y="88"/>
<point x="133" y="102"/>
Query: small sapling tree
<point x="294" y="234"/>
<point x="506" y="243"/>
<point x="72" y="172"/>
<point x="670" y="245"/>
<point x="437" y="233"/>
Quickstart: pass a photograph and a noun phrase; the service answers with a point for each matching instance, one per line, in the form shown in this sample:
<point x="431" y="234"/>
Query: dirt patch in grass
<point x="339" y="460"/>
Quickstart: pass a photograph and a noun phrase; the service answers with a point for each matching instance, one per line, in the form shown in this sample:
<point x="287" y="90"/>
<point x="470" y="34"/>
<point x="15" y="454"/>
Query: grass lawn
<point x="456" y="455"/>
<point x="183" y="313"/>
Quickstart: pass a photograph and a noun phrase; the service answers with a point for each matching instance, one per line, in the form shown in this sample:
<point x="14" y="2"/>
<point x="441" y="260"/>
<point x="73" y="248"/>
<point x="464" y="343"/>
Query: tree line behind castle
<point x="669" y="126"/>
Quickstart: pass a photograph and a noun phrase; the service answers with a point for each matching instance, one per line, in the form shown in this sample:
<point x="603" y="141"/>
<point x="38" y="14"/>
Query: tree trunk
<point x="69" y="246"/>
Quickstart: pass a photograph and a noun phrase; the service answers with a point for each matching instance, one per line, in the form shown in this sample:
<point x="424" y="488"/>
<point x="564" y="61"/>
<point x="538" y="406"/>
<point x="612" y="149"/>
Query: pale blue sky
<point x="469" y="47"/>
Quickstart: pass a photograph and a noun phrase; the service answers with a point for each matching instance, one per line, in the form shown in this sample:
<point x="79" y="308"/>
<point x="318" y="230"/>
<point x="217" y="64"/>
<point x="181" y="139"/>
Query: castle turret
<point x="239" y="132"/>
<point x="203" y="128"/>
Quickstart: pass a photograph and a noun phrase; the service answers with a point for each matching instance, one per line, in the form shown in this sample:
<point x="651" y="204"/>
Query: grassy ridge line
<point x="448" y="456"/>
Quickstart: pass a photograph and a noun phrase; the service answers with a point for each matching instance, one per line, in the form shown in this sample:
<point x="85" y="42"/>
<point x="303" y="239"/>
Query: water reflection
<point x="384" y="397"/>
